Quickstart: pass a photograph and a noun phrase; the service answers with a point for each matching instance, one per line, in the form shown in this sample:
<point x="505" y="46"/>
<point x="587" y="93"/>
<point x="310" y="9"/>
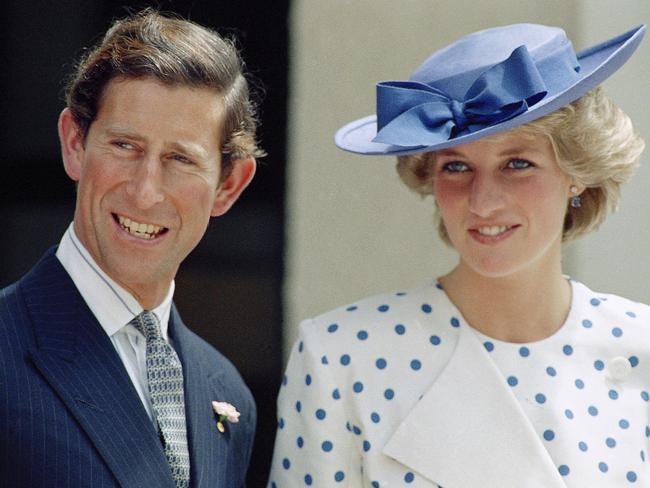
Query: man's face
<point x="148" y="180"/>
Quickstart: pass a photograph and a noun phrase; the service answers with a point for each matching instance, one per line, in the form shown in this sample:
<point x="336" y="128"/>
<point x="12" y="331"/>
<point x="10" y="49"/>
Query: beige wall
<point x="353" y="229"/>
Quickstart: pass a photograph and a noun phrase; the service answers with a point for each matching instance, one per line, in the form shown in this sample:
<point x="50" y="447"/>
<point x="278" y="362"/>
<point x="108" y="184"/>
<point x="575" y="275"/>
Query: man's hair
<point x="595" y="145"/>
<point x="173" y="51"/>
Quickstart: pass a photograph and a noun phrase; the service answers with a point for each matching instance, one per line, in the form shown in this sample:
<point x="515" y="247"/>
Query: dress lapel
<point x="208" y="447"/>
<point x="79" y="362"/>
<point x="469" y="431"/>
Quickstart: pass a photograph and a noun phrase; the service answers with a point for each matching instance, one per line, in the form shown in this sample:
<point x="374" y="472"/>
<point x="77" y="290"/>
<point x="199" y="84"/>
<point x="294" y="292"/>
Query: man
<point x="101" y="383"/>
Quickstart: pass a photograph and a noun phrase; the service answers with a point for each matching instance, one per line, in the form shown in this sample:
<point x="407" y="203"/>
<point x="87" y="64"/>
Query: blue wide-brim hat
<point x="484" y="83"/>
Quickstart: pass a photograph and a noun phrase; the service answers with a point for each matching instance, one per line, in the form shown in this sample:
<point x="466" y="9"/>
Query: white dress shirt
<point x="114" y="308"/>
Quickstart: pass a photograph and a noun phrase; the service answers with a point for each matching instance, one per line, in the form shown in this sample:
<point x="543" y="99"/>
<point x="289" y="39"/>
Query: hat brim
<point x="597" y="63"/>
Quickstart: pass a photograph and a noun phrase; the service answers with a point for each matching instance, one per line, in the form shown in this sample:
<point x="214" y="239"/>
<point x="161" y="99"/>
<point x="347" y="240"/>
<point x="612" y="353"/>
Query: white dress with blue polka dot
<point x="397" y="390"/>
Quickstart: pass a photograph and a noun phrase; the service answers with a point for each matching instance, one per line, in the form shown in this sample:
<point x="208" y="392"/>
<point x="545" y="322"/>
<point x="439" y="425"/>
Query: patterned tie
<point x="165" y="376"/>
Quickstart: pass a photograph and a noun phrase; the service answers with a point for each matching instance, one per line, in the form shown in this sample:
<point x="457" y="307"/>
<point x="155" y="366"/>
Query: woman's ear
<point x="240" y="175"/>
<point x="72" y="144"/>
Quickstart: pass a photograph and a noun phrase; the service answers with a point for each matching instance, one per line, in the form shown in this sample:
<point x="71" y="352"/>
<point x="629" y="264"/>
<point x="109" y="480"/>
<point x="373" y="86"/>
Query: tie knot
<point x="148" y="325"/>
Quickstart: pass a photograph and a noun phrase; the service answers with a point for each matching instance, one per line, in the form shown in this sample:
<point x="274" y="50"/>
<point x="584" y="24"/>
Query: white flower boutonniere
<point x="226" y="412"/>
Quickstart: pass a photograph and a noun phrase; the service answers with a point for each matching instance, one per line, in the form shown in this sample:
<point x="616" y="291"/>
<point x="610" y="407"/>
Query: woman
<point x="504" y="372"/>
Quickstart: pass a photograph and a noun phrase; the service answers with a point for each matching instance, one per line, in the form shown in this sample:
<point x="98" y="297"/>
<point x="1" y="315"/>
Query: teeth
<point x="492" y="230"/>
<point x="143" y="231"/>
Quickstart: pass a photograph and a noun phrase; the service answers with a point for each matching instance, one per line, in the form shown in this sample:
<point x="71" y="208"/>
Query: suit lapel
<point x="469" y="430"/>
<point x="208" y="447"/>
<point x="79" y="362"/>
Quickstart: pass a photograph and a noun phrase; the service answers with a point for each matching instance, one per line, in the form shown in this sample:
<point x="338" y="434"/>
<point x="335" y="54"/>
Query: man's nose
<point x="146" y="184"/>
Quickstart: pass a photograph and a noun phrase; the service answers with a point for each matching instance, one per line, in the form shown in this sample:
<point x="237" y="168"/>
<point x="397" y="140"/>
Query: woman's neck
<point x="523" y="307"/>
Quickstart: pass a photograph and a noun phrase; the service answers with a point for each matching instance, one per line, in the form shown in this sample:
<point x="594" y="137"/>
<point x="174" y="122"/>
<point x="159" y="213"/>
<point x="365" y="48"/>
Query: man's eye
<point x="519" y="164"/>
<point x="123" y="145"/>
<point x="181" y="159"/>
<point x="455" y="167"/>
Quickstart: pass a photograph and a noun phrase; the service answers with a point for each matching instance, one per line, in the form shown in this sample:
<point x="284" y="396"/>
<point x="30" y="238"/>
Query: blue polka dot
<point x="345" y="359"/>
<point x="551" y="371"/>
<point x="301" y="346"/>
<point x="623" y="424"/>
<point x="435" y="340"/>
<point x="642" y="454"/>
<point x="593" y="411"/>
<point x="374" y="416"/>
<point x="308" y="379"/>
<point x="613" y="394"/>
<point x="603" y="467"/>
<point x="647" y="431"/>
<point x="400" y="294"/>
<point x="285" y="380"/>
<point x="549" y="435"/>
<point x="357" y="387"/>
<point x="298" y="406"/>
<point x="580" y="384"/>
<point x="617" y="332"/>
<point x="416" y="365"/>
<point x="568" y="413"/>
<point x="634" y="361"/>
<point x="540" y="398"/>
<point x="320" y="414"/>
<point x="281" y="423"/>
<point x="348" y="426"/>
<point x="383" y="308"/>
<point x="426" y="308"/>
<point x="273" y="485"/>
<point x="286" y="464"/>
<point x="454" y="322"/>
<point x="324" y="360"/>
<point x="400" y="329"/>
<point x="308" y="479"/>
<point x="587" y="324"/>
<point x="631" y="476"/>
<point x="380" y="363"/>
<point x="630" y="314"/>
<point x="564" y="470"/>
<point x="488" y="346"/>
<point x="366" y="446"/>
<point x="599" y="365"/>
<point x="300" y="442"/>
<point x="356" y="430"/>
<point x="439" y="286"/>
<point x="524" y="352"/>
<point x="512" y="380"/>
<point x="339" y="476"/>
<point x="645" y="396"/>
<point x="610" y="442"/>
<point x="351" y="308"/>
<point x="583" y="446"/>
<point x="567" y="350"/>
<point x="336" y="394"/>
<point x="327" y="446"/>
<point x="362" y="335"/>
<point x="595" y="302"/>
<point x="409" y="477"/>
<point x="374" y="484"/>
<point x="332" y="328"/>
<point x="389" y="394"/>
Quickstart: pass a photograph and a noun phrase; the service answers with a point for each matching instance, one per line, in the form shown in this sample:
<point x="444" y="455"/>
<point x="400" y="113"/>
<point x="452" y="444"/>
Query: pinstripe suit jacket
<point x="69" y="414"/>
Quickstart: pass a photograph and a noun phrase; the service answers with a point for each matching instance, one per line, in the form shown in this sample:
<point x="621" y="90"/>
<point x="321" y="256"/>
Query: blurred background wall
<point x="353" y="228"/>
<point x="319" y="227"/>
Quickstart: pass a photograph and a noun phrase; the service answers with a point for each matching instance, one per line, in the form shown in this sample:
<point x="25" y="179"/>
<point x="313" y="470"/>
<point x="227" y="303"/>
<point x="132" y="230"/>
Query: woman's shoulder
<point x="610" y="305"/>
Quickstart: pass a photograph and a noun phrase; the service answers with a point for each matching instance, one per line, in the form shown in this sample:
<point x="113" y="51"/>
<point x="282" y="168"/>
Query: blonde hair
<point x="595" y="144"/>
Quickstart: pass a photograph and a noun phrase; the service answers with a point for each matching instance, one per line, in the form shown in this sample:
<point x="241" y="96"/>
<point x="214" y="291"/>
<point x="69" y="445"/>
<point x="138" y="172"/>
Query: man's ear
<point x="72" y="144"/>
<point x="241" y="174"/>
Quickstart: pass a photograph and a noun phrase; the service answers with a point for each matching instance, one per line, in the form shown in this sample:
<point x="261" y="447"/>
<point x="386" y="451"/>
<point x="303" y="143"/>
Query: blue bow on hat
<point x="484" y="83"/>
<point x="410" y="113"/>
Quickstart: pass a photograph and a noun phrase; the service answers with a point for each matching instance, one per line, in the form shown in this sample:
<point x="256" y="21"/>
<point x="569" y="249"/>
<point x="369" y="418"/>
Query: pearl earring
<point x="576" y="201"/>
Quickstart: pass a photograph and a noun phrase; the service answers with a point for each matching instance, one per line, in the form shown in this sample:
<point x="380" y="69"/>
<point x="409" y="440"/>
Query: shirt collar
<point x="112" y="305"/>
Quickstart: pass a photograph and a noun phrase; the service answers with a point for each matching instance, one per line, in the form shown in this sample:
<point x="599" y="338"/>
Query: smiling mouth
<point x="139" y="229"/>
<point x="493" y="230"/>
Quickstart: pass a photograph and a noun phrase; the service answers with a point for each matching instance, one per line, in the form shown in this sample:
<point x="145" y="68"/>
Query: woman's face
<point x="503" y="201"/>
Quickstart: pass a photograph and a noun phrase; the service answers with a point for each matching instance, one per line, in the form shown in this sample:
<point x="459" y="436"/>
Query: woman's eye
<point x="454" y="167"/>
<point x="519" y="164"/>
